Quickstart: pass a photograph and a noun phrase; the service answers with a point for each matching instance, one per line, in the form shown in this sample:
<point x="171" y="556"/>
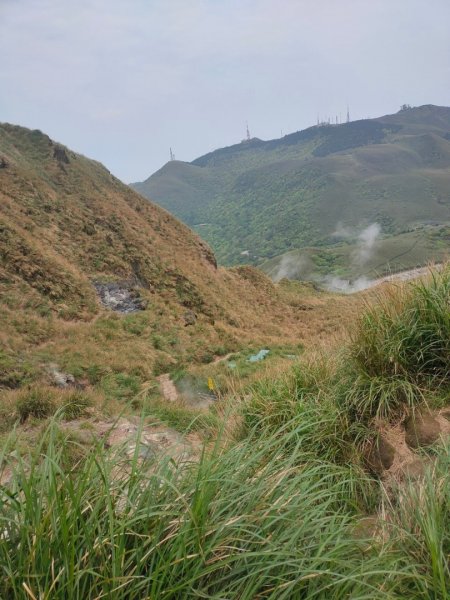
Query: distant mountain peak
<point x="270" y="196"/>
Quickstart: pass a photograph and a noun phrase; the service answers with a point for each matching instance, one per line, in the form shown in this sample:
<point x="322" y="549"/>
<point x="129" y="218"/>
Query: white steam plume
<point x="292" y="267"/>
<point x="367" y="239"/>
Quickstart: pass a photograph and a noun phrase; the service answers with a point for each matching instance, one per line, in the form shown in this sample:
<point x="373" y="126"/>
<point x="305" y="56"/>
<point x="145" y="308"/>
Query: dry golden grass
<point x="65" y="224"/>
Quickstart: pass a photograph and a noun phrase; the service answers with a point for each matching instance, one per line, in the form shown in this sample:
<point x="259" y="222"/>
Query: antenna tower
<point x="348" y="114"/>
<point x="172" y="155"/>
<point x="248" y="133"/>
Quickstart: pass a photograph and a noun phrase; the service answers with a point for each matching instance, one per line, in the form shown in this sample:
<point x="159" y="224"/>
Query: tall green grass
<point x="401" y="347"/>
<point x="420" y="530"/>
<point x="304" y="401"/>
<point x="272" y="516"/>
<point x="398" y="359"/>
<point x="407" y="331"/>
<point x="255" y="521"/>
<point x="249" y="522"/>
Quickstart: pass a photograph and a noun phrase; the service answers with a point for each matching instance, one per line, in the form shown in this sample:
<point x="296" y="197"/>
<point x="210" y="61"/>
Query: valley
<point x="171" y="428"/>
<point x="224" y="300"/>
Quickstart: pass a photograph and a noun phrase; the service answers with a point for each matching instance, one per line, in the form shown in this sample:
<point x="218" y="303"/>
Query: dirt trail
<point x="168" y="389"/>
<point x="403" y="275"/>
<point x="218" y="359"/>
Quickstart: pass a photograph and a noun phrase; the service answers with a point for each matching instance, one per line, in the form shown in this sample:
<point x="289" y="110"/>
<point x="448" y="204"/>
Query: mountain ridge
<point x="393" y="170"/>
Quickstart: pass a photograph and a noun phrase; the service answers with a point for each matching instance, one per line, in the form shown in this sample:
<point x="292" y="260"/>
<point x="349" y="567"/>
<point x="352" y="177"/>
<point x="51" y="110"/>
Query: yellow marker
<point x="211" y="385"/>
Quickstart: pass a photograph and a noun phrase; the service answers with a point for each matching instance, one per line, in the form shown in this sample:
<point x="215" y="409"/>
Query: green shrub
<point x="304" y="402"/>
<point x="36" y="402"/>
<point x="95" y="373"/>
<point x="407" y="333"/>
<point x="135" y="323"/>
<point x="121" y="386"/>
<point x="15" y="371"/>
<point x="157" y="341"/>
<point x="76" y="404"/>
<point x="182" y="418"/>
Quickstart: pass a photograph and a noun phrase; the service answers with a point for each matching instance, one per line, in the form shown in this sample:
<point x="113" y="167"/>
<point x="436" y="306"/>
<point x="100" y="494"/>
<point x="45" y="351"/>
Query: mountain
<point x="103" y="284"/>
<point x="259" y="199"/>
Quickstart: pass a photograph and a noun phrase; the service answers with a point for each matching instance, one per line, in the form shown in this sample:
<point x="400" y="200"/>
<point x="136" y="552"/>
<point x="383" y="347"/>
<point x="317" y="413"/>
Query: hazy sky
<point x="123" y="80"/>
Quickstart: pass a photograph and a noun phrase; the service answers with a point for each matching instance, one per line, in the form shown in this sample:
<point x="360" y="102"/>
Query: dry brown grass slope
<point x="65" y="223"/>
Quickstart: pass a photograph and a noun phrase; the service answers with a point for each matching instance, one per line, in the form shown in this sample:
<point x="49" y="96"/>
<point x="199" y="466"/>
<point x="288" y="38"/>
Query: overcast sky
<point x="121" y="81"/>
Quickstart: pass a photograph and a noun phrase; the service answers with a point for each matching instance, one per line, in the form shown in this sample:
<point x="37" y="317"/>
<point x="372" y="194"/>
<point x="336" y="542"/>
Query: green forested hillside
<point x="259" y="199"/>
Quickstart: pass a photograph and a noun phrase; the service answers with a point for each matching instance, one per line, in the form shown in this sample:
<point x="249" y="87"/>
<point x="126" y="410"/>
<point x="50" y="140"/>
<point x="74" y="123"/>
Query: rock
<point x="60" y="378"/>
<point x="208" y="254"/>
<point x="59" y="152"/>
<point x="121" y="296"/>
<point x="189" y="318"/>
<point x="381" y="455"/>
<point x="168" y="388"/>
<point x="421" y="430"/>
<point x="3" y="163"/>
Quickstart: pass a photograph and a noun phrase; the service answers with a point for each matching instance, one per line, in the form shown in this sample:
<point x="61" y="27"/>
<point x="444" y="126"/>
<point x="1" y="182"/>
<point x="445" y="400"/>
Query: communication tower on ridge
<point x="248" y="133"/>
<point x="172" y="155"/>
<point x="348" y="114"/>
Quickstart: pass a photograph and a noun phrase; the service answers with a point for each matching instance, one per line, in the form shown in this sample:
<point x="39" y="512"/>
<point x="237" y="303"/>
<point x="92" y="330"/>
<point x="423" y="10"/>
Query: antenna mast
<point x="348" y="114"/>
<point x="248" y="133"/>
<point x="172" y="155"/>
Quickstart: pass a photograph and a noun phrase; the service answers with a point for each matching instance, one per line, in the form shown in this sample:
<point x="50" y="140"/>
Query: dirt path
<point x="403" y="275"/>
<point x="168" y="389"/>
<point x="218" y="359"/>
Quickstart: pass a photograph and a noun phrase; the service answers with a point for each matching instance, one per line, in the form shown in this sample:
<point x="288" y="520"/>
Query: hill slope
<point x="258" y="199"/>
<point x="81" y="255"/>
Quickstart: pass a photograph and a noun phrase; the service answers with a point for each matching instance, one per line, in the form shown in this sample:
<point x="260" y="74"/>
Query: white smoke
<point x="293" y="267"/>
<point x="367" y="239"/>
<point x="365" y="249"/>
<point x="345" y="286"/>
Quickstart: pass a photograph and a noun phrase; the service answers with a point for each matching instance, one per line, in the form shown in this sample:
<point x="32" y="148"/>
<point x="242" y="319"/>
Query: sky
<point x="122" y="81"/>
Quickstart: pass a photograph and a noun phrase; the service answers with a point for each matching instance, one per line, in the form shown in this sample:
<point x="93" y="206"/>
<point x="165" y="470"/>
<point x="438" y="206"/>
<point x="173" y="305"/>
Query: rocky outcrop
<point x="62" y="379"/>
<point x="189" y="318"/>
<point x="120" y="296"/>
<point x="60" y="154"/>
<point x="208" y="254"/>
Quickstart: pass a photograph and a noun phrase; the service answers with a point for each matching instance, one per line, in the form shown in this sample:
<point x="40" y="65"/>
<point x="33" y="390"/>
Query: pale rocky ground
<point x="148" y="443"/>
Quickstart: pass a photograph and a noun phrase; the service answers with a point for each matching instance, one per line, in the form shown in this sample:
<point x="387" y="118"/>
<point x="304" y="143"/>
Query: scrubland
<point x="284" y="497"/>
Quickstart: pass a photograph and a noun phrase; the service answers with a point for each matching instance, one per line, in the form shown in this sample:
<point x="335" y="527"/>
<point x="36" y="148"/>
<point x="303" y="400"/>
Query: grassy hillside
<point x="328" y="481"/>
<point x="71" y="232"/>
<point x="259" y="199"/>
<point x="321" y="472"/>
